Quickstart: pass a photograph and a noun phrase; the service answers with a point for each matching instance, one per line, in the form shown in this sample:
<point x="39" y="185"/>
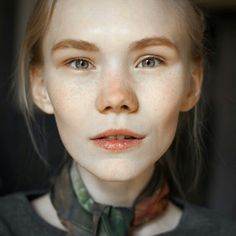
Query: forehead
<point x="102" y="20"/>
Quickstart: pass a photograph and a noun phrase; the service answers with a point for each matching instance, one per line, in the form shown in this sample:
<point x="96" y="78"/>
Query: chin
<point x="118" y="170"/>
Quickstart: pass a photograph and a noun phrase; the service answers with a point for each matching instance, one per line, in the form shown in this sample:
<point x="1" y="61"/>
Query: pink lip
<point x="117" y="145"/>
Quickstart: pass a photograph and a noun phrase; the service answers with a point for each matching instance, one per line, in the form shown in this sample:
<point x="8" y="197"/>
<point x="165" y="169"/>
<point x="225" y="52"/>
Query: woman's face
<point x="114" y="67"/>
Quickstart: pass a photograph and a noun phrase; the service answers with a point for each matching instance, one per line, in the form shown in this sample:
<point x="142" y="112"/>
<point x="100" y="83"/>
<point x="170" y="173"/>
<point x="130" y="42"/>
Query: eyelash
<point x="156" y="61"/>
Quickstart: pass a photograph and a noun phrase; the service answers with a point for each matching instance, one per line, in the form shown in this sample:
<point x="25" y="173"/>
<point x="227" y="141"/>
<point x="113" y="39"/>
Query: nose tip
<point x="117" y="100"/>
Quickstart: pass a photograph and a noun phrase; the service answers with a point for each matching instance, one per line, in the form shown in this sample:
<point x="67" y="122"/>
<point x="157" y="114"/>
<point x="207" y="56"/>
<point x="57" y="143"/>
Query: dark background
<point x="21" y="169"/>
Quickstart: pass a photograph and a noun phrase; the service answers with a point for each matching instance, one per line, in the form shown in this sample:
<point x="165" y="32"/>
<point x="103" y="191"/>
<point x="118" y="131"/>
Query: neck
<point x="115" y="193"/>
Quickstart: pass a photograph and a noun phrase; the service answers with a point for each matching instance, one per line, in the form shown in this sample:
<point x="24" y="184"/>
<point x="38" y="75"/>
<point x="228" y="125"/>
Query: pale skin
<point x="116" y="88"/>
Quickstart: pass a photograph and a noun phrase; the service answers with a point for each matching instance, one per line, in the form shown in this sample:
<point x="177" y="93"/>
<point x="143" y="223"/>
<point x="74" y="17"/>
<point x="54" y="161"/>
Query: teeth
<point x="119" y="137"/>
<point x="111" y="137"/>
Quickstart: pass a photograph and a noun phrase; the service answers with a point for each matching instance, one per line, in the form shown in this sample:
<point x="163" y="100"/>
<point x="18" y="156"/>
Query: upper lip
<point x="118" y="132"/>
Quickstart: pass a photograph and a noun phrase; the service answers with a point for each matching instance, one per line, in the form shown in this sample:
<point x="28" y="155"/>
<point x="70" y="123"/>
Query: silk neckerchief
<point x="82" y="216"/>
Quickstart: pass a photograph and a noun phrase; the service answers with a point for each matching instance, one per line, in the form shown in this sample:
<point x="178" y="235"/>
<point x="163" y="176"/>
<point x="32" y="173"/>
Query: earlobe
<point x="39" y="91"/>
<point x="194" y="89"/>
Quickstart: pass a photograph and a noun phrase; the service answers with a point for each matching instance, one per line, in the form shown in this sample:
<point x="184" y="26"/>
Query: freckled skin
<point x="79" y="98"/>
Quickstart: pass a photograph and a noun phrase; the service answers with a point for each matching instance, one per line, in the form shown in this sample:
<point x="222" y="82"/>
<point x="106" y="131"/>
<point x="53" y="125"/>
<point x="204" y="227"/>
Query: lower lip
<point x="117" y="145"/>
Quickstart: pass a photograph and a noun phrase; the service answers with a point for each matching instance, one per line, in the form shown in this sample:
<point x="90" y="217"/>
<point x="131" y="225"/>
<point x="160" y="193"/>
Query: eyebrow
<point x="153" y="41"/>
<point x="138" y="45"/>
<point x="76" y="44"/>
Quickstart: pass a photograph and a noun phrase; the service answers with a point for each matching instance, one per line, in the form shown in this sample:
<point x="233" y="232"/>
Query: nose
<point x="117" y="97"/>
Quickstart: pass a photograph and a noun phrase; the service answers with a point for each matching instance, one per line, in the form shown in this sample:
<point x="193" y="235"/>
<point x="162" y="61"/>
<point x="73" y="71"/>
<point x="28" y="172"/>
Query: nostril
<point x="116" y="108"/>
<point x="124" y="107"/>
<point x="108" y="108"/>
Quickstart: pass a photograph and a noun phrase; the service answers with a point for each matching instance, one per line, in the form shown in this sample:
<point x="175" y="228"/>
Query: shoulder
<point x="17" y="217"/>
<point x="198" y="220"/>
<point x="12" y="206"/>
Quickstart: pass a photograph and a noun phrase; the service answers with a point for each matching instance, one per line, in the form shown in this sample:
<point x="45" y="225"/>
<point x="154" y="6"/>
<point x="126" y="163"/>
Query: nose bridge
<point x="117" y="82"/>
<point x="117" y="93"/>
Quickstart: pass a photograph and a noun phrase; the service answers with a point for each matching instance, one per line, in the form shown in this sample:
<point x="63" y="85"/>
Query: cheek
<point x="162" y="100"/>
<point x="71" y="102"/>
<point x="168" y="126"/>
<point x="165" y="126"/>
<point x="164" y="120"/>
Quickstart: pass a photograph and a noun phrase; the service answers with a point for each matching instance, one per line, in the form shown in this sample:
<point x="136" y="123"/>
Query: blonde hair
<point x="31" y="51"/>
<point x="31" y="55"/>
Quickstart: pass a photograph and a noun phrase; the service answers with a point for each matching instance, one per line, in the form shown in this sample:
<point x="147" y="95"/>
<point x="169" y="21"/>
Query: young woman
<point x="120" y="77"/>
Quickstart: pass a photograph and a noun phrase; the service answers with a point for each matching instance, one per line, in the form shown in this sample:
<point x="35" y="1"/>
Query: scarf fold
<point x="82" y="216"/>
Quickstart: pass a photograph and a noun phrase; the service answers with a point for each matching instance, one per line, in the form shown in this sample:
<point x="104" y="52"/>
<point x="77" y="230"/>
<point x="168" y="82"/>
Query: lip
<point x="118" y="132"/>
<point x="117" y="145"/>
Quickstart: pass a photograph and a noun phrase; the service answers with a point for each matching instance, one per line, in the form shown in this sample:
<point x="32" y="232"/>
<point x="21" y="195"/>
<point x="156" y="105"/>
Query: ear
<point x="193" y="92"/>
<point x="39" y="91"/>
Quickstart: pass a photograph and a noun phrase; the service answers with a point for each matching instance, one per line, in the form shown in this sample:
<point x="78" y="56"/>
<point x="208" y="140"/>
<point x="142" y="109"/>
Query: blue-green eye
<point x="150" y="62"/>
<point x="80" y="64"/>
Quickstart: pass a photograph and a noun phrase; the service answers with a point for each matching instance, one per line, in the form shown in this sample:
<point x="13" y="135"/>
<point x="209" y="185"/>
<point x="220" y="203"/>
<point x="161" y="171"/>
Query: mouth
<point x="118" y="140"/>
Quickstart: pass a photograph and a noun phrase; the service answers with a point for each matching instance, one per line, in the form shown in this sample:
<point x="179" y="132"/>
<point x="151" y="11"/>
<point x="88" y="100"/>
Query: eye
<point x="150" y="62"/>
<point x="80" y="64"/>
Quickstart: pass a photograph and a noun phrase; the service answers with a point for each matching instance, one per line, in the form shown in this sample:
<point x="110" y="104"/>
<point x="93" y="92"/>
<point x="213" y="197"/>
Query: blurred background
<point x="21" y="169"/>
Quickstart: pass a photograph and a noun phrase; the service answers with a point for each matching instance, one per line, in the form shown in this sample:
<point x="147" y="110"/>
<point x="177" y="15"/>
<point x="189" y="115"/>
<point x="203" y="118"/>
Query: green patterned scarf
<point x="82" y="216"/>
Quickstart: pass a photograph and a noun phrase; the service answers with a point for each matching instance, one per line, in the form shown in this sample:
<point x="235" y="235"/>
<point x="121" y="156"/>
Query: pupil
<point x="149" y="62"/>
<point x="82" y="64"/>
